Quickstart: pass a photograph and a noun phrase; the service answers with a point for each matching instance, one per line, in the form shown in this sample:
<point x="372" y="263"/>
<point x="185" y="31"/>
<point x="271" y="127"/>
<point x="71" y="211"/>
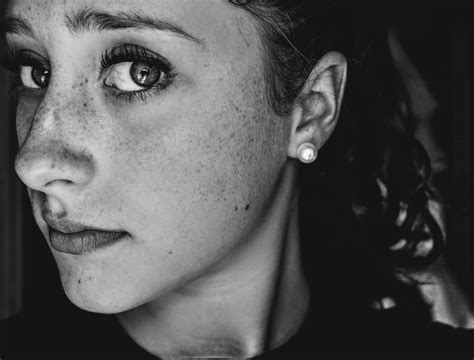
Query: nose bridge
<point x="52" y="114"/>
<point x="52" y="151"/>
<point x="46" y="120"/>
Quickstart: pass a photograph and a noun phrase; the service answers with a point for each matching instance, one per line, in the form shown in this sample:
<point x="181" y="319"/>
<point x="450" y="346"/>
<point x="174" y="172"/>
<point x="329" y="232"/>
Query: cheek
<point x="190" y="189"/>
<point x="203" y="170"/>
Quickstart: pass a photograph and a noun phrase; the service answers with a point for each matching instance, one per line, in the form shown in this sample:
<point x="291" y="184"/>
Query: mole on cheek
<point x="246" y="207"/>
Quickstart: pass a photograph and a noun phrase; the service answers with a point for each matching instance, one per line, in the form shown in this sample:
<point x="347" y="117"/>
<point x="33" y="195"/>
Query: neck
<point x="254" y="300"/>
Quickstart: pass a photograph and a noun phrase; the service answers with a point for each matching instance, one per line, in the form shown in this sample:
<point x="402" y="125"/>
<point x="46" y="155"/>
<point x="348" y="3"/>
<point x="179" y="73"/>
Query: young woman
<point x="194" y="168"/>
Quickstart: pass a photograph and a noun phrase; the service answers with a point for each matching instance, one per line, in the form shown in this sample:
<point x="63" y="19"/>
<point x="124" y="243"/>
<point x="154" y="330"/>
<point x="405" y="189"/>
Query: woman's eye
<point x="34" y="77"/>
<point x="133" y="76"/>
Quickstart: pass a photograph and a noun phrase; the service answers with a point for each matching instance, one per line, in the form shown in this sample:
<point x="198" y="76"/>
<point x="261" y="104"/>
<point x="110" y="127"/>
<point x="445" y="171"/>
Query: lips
<point x="83" y="242"/>
<point x="74" y="238"/>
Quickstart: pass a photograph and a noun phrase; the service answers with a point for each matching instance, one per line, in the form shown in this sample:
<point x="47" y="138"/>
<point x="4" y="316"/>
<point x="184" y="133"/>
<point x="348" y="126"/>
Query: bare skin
<point x="200" y="173"/>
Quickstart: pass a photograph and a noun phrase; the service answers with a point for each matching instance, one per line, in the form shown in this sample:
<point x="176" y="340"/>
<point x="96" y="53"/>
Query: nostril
<point x="53" y="182"/>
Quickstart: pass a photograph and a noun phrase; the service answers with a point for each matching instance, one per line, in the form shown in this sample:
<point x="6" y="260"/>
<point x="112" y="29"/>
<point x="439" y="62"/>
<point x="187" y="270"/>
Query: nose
<point x="46" y="166"/>
<point x="49" y="160"/>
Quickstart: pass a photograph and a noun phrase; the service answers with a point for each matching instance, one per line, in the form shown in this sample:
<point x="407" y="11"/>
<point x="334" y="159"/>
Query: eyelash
<point x="14" y="60"/>
<point x="133" y="53"/>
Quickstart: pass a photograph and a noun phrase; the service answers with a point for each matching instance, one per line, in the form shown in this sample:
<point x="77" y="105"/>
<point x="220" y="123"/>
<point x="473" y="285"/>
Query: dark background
<point x="438" y="40"/>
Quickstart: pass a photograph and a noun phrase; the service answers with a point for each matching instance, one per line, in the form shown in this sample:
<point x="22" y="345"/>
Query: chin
<point x="110" y="289"/>
<point x="98" y="292"/>
<point x="95" y="298"/>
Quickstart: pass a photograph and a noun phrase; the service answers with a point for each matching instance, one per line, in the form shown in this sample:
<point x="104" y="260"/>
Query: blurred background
<point x="438" y="42"/>
<point x="13" y="218"/>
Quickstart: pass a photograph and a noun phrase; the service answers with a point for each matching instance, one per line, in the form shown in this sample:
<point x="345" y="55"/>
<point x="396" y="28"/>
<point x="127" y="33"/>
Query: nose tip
<point x="44" y="166"/>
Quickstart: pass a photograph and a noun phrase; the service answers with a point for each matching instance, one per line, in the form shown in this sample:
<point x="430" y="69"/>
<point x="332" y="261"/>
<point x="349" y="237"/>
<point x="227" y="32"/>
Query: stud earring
<point x="307" y="153"/>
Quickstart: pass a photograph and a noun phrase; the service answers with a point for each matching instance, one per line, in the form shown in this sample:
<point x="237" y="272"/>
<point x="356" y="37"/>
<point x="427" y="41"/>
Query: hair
<point x="372" y="175"/>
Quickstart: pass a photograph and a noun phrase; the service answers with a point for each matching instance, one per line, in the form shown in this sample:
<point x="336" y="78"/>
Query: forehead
<point x="213" y="21"/>
<point x="171" y="8"/>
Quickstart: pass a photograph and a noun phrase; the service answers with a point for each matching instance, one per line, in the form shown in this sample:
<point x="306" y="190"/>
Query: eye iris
<point x="144" y="74"/>
<point x="40" y="76"/>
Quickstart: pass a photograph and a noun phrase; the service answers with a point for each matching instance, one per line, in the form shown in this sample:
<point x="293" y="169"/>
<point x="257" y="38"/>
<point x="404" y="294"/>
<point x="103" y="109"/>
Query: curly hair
<point x="372" y="174"/>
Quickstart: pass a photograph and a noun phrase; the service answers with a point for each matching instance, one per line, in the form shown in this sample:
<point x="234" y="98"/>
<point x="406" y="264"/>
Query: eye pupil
<point x="40" y="76"/>
<point x="144" y="74"/>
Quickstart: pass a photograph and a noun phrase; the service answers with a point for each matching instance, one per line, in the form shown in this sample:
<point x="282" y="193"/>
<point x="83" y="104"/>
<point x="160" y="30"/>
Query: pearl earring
<point x="307" y="153"/>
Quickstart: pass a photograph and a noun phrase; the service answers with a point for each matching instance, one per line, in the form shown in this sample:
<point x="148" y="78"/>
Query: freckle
<point x="90" y="278"/>
<point x="170" y="252"/>
<point x="86" y="81"/>
<point x="247" y="207"/>
<point x="79" y="281"/>
<point x="236" y="208"/>
<point x="85" y="104"/>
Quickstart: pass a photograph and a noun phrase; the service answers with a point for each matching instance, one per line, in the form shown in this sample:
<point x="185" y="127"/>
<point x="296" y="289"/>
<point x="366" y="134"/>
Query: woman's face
<point x="146" y="120"/>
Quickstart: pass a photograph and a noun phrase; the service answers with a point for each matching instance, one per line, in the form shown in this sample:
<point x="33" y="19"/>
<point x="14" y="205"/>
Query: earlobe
<point x="316" y="111"/>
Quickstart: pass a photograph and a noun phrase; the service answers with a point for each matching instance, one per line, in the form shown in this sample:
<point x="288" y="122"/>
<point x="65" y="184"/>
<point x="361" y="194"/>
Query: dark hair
<point x="372" y="175"/>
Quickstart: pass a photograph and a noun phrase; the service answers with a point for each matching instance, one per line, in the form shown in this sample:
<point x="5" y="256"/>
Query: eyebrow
<point x="88" y="20"/>
<point x="16" y="25"/>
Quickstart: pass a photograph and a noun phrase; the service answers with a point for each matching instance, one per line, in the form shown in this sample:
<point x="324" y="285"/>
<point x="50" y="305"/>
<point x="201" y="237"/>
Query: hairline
<point x="280" y="103"/>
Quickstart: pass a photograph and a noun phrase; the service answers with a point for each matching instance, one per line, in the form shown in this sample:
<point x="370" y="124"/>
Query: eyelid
<point x="13" y="60"/>
<point x="131" y="53"/>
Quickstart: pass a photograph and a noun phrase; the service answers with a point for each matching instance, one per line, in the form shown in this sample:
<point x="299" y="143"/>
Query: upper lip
<point x="68" y="226"/>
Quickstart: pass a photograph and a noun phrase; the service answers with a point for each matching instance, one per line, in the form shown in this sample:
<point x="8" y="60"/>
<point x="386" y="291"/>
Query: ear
<point x="316" y="110"/>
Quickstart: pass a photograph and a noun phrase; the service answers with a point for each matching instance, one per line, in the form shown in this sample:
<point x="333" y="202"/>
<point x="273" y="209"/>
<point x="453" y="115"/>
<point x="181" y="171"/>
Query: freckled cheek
<point x="181" y="168"/>
<point x="217" y="163"/>
<point x="178" y="180"/>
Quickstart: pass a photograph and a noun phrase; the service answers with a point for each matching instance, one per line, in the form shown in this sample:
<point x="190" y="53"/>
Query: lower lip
<point x="83" y="242"/>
